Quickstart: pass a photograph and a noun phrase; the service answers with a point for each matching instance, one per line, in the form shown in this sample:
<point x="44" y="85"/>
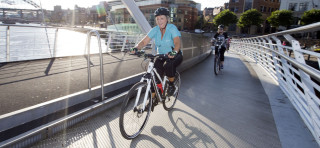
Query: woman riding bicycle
<point x="221" y="35"/>
<point x="167" y="41"/>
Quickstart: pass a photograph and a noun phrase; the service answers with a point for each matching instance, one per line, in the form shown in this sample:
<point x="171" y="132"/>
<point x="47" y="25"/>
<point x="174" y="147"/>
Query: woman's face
<point x="161" y="21"/>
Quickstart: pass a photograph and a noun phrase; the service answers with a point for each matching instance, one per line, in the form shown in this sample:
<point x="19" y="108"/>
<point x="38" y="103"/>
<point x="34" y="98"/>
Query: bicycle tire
<point x="216" y="65"/>
<point x="130" y="127"/>
<point x="170" y="101"/>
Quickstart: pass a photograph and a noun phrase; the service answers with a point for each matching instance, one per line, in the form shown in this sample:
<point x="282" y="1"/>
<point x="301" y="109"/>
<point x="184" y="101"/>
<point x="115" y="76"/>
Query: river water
<point x="27" y="43"/>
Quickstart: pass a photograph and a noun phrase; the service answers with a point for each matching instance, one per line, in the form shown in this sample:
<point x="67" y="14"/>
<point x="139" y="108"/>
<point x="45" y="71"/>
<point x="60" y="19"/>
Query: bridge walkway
<point x="242" y="107"/>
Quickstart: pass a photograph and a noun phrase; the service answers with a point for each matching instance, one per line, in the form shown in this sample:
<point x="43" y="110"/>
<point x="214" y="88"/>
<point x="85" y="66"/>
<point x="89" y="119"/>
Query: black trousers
<point x="222" y="50"/>
<point x="168" y="66"/>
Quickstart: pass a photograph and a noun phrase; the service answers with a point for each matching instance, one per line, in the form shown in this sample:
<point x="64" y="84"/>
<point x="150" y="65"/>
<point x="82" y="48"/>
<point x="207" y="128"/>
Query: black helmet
<point x="220" y="26"/>
<point x="161" y="11"/>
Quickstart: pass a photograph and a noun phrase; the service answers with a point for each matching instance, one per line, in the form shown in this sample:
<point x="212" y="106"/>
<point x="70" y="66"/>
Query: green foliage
<point x="225" y="17"/>
<point x="250" y="17"/>
<point x="311" y="16"/>
<point x="199" y="22"/>
<point x="281" y="18"/>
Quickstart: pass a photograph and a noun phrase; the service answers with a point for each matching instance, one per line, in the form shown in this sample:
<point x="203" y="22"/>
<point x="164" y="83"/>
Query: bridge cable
<point x="44" y="22"/>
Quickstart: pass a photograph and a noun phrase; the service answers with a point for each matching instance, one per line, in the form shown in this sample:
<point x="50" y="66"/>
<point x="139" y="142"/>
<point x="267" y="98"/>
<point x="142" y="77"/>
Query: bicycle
<point x="137" y="105"/>
<point x="217" y="60"/>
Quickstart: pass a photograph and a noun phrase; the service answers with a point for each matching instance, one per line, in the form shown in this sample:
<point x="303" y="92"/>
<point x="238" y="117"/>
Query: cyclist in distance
<point x="221" y="35"/>
<point x="167" y="41"/>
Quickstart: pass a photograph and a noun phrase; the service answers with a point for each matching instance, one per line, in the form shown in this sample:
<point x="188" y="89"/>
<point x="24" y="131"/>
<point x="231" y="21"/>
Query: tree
<point x="250" y="17"/>
<point x="199" y="22"/>
<point x="225" y="17"/>
<point x="311" y="16"/>
<point x="281" y="18"/>
<point x="203" y="23"/>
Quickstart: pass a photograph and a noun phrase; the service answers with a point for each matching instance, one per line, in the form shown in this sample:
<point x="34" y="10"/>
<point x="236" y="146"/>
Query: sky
<point x="65" y="4"/>
<point x="211" y="3"/>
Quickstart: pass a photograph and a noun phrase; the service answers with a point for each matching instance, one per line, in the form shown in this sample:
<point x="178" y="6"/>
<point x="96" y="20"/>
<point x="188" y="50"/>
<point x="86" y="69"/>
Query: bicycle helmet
<point x="161" y="11"/>
<point x="220" y="26"/>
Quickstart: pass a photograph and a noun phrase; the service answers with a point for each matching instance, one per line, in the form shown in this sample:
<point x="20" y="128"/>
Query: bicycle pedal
<point x="152" y="107"/>
<point x="154" y="103"/>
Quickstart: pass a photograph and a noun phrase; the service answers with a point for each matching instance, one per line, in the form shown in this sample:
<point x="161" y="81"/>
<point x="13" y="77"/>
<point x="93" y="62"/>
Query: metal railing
<point x="89" y="34"/>
<point x="23" y="42"/>
<point x="296" y="70"/>
<point x="196" y="48"/>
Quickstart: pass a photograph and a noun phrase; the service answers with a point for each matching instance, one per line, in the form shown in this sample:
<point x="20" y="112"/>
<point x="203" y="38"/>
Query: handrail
<point x="89" y="34"/>
<point x="311" y="27"/>
<point x="298" y="80"/>
<point x="53" y="27"/>
<point x="311" y="71"/>
<point x="57" y="48"/>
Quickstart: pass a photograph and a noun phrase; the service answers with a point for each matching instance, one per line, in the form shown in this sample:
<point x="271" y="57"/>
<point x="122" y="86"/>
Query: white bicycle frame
<point x="151" y="70"/>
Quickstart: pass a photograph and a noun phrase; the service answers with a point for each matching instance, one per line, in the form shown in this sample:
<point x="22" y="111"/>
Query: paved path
<point x="229" y="110"/>
<point x="27" y="83"/>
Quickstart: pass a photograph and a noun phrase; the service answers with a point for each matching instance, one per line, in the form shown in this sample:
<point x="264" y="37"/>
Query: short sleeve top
<point x="165" y="44"/>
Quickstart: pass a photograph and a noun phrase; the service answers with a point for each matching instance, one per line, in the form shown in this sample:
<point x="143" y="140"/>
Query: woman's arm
<point x="177" y="43"/>
<point x="143" y="42"/>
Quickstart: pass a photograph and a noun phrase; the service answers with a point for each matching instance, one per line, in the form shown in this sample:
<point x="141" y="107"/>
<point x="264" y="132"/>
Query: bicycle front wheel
<point x="170" y="101"/>
<point x="133" y="117"/>
<point x="216" y="65"/>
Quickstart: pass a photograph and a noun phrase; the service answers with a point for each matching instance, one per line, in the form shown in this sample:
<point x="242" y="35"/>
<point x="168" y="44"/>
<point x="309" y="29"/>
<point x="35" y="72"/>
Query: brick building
<point x="266" y="7"/>
<point x="299" y="7"/>
<point x="183" y="13"/>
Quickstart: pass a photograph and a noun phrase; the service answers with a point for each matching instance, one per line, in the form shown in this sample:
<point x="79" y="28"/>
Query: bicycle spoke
<point x="170" y="101"/>
<point x="133" y="118"/>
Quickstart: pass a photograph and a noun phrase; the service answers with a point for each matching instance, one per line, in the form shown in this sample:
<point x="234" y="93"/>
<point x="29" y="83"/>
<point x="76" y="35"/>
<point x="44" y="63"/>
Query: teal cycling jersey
<point x="165" y="44"/>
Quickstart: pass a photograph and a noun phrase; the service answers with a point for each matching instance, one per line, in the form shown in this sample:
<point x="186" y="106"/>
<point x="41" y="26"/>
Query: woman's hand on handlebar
<point x="133" y="50"/>
<point x="172" y="54"/>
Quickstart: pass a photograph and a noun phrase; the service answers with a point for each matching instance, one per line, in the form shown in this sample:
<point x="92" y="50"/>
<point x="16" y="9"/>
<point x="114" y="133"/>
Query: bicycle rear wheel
<point x="170" y="101"/>
<point x="216" y="65"/>
<point x="133" y="118"/>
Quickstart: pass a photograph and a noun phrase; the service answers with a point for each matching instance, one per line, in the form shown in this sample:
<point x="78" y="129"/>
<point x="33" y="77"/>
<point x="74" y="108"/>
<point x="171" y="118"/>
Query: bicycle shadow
<point x="184" y="134"/>
<point x="142" y="137"/>
<point x="196" y="135"/>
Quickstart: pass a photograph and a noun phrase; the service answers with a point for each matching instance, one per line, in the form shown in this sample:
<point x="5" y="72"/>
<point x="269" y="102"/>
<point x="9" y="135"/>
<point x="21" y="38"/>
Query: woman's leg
<point x="170" y="69"/>
<point x="223" y="49"/>
<point x="158" y="65"/>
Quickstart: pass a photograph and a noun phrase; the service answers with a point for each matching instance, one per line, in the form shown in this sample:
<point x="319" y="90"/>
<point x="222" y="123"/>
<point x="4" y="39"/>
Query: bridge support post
<point x="8" y="43"/>
<point x="274" y="59"/>
<point x="137" y="15"/>
<point x="256" y="42"/>
<point x="124" y="42"/>
<point x="55" y="43"/>
<point x="307" y="88"/>
<point x="109" y="42"/>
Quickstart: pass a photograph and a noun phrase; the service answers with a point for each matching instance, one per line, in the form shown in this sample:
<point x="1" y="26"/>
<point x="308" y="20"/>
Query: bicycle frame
<point x="150" y="77"/>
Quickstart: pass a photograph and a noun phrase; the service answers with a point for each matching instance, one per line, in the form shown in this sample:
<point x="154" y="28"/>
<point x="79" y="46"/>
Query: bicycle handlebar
<point x="150" y="56"/>
<point x="157" y="55"/>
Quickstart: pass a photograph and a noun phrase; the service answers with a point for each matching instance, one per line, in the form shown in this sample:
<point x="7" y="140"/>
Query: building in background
<point x="183" y="13"/>
<point x="299" y="7"/>
<point x="266" y="7"/>
<point x="207" y="11"/>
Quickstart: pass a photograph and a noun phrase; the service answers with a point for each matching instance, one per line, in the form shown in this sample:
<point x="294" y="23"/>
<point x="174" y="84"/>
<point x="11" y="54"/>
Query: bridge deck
<point x="229" y="110"/>
<point x="48" y="79"/>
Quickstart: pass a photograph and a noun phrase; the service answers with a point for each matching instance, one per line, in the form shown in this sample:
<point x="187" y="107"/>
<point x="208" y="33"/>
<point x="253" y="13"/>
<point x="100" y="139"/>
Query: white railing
<point x="22" y="42"/>
<point x="296" y="70"/>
